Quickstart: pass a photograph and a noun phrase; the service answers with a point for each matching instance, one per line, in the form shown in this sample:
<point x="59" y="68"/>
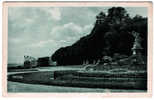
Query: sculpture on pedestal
<point x="137" y="48"/>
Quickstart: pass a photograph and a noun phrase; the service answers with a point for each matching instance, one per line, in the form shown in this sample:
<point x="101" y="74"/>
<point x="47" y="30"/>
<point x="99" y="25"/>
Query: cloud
<point x="65" y="31"/>
<point x="40" y="31"/>
<point x="53" y="12"/>
<point x="70" y="31"/>
<point x="87" y="29"/>
<point x="15" y="40"/>
<point x="42" y="43"/>
<point x="64" y="35"/>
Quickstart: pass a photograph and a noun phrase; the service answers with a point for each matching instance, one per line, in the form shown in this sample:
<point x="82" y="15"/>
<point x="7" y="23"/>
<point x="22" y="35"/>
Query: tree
<point x="116" y="14"/>
<point x="109" y="36"/>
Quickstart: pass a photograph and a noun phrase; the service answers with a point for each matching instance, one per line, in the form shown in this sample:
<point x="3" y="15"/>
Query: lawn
<point x="76" y="77"/>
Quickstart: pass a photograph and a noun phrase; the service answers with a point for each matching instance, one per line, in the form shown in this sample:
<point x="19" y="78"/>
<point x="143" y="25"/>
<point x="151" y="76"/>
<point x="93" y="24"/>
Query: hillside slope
<point x="111" y="34"/>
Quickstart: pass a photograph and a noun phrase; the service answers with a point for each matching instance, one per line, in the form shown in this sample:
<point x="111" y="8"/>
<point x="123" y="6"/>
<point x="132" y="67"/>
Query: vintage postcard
<point x="70" y="49"/>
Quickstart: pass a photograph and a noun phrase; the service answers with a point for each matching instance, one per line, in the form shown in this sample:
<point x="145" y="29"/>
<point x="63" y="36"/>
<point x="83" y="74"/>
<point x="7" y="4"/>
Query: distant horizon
<point x="40" y="31"/>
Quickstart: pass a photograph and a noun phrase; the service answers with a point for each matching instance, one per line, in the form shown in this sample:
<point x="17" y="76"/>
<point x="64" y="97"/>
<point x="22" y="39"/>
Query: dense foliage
<point x="111" y="34"/>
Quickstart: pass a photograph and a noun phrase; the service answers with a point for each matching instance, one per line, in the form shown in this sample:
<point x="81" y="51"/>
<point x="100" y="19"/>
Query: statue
<point x="137" y="44"/>
<point x="137" y="48"/>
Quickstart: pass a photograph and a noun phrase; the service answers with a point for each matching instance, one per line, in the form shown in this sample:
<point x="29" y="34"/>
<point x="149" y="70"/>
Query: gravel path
<point x="16" y="87"/>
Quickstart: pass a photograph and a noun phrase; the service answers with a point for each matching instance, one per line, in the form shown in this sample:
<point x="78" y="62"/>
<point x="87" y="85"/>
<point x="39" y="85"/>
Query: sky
<point x="40" y="31"/>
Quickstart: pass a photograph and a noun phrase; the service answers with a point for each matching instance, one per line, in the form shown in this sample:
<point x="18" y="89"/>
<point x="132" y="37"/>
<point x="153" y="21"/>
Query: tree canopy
<point x="111" y="34"/>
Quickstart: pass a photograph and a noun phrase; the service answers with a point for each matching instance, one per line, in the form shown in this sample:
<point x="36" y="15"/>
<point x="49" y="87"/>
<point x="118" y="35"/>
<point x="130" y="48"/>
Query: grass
<point x="116" y="78"/>
<point x="79" y="81"/>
